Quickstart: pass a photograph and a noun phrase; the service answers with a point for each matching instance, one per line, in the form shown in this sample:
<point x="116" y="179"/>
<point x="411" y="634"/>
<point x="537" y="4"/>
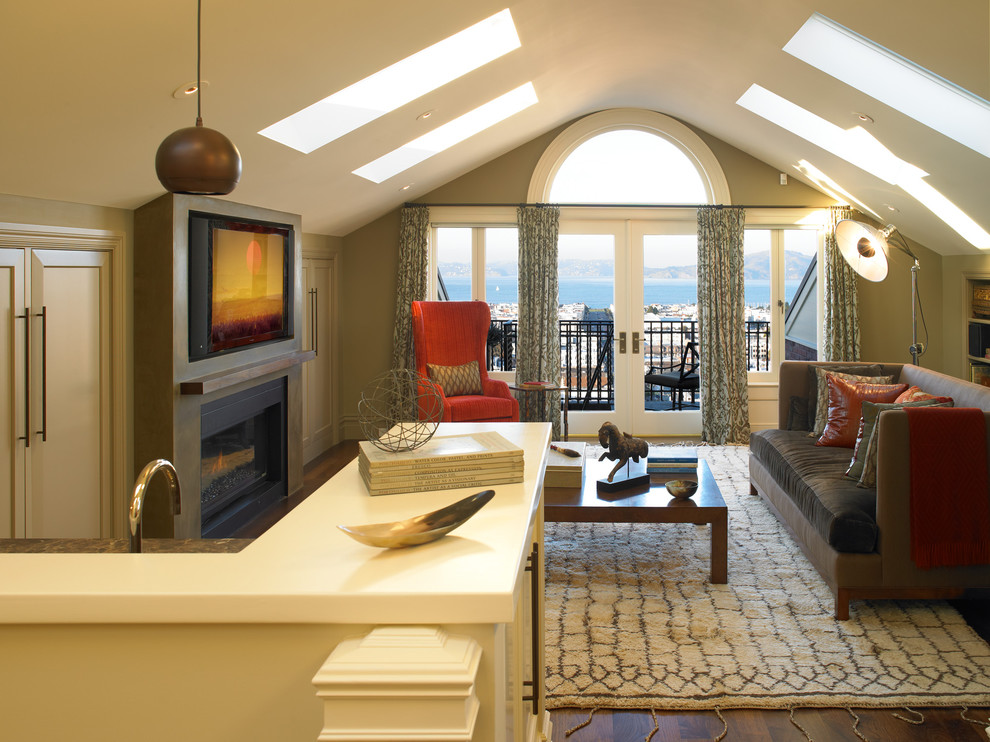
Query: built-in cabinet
<point x="318" y="428"/>
<point x="978" y="328"/>
<point x="56" y="387"/>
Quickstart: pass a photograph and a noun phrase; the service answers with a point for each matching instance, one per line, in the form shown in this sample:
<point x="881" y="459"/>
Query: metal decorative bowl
<point x="681" y="488"/>
<point x="400" y="410"/>
<point x="421" y="529"/>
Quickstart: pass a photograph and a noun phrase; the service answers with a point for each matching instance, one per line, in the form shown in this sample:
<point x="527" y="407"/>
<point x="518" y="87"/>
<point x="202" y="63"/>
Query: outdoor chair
<point x="679" y="378"/>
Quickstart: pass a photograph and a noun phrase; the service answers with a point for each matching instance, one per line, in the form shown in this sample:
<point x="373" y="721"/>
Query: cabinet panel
<point x="12" y="399"/>
<point x="317" y="373"/>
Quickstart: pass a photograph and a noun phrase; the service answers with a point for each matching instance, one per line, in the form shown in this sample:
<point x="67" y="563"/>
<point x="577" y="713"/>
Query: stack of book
<point x="672" y="460"/>
<point x="443" y="462"/>
<point x="563" y="470"/>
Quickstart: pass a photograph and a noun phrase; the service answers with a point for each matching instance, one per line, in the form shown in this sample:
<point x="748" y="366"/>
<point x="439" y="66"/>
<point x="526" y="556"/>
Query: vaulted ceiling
<point x="87" y="91"/>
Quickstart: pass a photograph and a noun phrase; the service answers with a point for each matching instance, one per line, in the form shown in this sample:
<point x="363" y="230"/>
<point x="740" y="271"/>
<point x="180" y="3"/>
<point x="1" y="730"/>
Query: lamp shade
<point x="198" y="160"/>
<point x="863" y="247"/>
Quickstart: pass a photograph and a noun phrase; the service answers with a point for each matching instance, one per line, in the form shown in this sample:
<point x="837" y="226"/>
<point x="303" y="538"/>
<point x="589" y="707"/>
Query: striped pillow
<point x="456" y="381"/>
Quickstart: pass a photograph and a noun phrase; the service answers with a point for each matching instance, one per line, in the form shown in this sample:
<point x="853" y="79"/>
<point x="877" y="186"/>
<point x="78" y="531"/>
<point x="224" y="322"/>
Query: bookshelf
<point x="977" y="304"/>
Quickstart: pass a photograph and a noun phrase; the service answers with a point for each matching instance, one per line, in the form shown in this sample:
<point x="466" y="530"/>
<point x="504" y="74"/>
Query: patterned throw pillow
<point x="868" y="422"/>
<point x="820" y="391"/>
<point x="456" y="381"/>
<point x="868" y="457"/>
<point x="914" y="394"/>
<point x="845" y="400"/>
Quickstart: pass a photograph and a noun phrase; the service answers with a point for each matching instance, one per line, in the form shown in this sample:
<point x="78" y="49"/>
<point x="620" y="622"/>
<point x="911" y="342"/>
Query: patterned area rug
<point x="632" y="621"/>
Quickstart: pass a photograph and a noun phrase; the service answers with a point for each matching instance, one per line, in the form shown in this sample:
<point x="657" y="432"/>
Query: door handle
<point x="635" y="343"/>
<point x="622" y="342"/>
<point x="44" y="373"/>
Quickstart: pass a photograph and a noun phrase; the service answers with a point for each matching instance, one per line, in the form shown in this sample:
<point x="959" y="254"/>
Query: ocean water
<point x="598" y="292"/>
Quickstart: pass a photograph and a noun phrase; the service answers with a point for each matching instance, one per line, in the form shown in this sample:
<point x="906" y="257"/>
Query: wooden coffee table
<point x="652" y="504"/>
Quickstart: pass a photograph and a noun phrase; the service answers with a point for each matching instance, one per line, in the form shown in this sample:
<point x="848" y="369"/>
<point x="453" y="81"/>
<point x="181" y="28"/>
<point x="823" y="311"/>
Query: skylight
<point x="451" y="133"/>
<point x="396" y="85"/>
<point x="832" y="188"/>
<point x="860" y="148"/>
<point x="891" y="79"/>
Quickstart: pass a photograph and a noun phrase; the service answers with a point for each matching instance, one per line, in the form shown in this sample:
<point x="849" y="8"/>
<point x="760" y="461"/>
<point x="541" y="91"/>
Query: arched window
<point x="628" y="156"/>
<point x="628" y="166"/>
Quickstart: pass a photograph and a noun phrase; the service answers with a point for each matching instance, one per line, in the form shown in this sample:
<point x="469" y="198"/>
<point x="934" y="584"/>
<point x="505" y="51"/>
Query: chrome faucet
<point x="137" y="498"/>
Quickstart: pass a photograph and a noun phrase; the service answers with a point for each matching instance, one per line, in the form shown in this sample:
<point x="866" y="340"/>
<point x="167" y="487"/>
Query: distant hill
<point x="757" y="269"/>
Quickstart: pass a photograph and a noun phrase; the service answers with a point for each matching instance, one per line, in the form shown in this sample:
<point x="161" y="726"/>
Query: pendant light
<point x="197" y="159"/>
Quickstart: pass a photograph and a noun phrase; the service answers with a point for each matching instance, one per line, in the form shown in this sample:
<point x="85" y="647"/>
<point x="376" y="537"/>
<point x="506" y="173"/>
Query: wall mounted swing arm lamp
<point x="197" y="159"/>
<point x="866" y="250"/>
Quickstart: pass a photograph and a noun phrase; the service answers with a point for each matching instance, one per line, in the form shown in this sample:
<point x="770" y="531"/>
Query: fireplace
<point x="243" y="457"/>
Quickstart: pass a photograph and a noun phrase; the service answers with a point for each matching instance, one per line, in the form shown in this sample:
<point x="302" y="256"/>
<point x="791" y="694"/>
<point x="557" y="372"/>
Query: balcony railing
<point x="587" y="361"/>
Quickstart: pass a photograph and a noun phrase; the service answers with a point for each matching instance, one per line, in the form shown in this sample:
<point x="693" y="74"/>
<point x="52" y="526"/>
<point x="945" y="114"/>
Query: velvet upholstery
<point x="790" y="474"/>
<point x="453" y="333"/>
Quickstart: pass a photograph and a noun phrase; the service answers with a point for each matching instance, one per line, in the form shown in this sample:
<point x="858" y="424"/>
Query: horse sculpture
<point x="621" y="446"/>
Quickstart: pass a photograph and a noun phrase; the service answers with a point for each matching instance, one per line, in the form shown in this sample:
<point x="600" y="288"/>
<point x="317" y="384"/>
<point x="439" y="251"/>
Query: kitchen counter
<point x="94" y="642"/>
<point x="122" y="545"/>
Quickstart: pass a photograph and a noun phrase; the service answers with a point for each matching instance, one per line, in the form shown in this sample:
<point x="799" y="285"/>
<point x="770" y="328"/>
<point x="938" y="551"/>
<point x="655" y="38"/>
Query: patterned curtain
<point x="538" y="344"/>
<point x="414" y="271"/>
<point x="722" y="326"/>
<point x="840" y="325"/>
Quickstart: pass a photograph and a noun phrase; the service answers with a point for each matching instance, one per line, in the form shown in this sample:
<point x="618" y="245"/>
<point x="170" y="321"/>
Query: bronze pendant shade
<point x="197" y="159"/>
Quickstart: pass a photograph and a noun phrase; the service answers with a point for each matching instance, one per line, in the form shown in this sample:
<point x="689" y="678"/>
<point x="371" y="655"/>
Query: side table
<point x="529" y="393"/>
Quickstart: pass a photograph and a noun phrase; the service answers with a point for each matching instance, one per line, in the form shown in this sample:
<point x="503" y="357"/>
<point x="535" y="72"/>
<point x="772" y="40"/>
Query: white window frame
<point x="777" y="221"/>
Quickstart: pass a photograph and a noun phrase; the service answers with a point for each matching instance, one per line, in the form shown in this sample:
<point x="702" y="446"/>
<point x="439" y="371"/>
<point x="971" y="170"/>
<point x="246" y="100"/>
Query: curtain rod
<point x="616" y="206"/>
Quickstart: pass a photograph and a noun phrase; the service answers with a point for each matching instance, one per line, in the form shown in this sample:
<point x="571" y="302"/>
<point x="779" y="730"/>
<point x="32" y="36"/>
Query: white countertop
<point x="304" y="569"/>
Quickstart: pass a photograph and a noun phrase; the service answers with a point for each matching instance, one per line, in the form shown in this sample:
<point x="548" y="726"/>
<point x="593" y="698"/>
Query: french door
<point x="637" y="278"/>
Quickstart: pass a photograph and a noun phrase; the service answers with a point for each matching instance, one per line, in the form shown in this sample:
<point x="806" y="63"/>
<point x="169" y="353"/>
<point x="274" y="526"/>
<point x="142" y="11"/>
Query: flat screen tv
<point x="240" y="283"/>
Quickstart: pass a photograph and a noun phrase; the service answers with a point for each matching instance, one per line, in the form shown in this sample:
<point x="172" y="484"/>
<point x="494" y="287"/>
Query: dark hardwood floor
<point x="740" y="725"/>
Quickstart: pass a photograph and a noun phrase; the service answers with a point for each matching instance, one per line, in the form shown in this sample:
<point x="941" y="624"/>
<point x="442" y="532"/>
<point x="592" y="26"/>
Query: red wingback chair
<point x="449" y="334"/>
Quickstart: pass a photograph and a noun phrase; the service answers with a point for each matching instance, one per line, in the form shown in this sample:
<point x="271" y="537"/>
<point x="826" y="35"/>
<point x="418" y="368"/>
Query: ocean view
<point x="597" y="293"/>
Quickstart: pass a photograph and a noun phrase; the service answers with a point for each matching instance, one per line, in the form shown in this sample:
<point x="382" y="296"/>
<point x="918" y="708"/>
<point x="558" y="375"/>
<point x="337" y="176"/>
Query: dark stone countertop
<point x="122" y="545"/>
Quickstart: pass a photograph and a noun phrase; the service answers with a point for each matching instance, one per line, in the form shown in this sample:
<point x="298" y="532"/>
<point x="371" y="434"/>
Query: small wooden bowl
<point x="681" y="488"/>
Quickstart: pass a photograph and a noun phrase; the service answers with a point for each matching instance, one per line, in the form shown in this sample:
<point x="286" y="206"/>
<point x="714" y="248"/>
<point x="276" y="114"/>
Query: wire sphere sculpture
<point x="400" y="410"/>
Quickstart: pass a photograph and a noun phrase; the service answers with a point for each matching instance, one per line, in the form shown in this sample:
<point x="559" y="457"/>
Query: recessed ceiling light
<point x="860" y="148"/>
<point x="449" y="134"/>
<point x="407" y="186"/>
<point x="184" y="91"/>
<point x="894" y="80"/>
<point x="863" y="117"/>
<point x="424" y="115"/>
<point x="890" y="207"/>
<point x="396" y="85"/>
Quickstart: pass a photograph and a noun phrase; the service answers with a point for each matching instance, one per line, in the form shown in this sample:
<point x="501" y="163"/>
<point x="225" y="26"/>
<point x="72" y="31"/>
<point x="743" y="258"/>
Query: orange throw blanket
<point x="950" y="499"/>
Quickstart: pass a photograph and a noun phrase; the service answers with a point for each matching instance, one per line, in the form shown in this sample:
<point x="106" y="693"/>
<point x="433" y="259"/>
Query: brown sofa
<point x="858" y="539"/>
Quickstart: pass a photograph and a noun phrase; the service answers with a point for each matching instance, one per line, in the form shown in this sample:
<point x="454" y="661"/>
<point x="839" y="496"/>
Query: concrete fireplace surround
<point x="169" y="389"/>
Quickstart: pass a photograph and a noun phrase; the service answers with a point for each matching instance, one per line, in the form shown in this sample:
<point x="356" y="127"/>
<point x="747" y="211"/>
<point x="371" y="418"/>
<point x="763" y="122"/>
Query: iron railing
<point x="587" y="360"/>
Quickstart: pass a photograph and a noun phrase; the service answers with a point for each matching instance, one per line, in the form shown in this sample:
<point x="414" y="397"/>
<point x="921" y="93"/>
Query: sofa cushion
<point x="818" y="399"/>
<point x="845" y="400"/>
<point x="812" y="476"/>
<point x="864" y="450"/>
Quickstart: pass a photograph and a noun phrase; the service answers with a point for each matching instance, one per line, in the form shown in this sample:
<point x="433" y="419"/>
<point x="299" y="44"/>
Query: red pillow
<point x="845" y="408"/>
<point x="915" y="394"/>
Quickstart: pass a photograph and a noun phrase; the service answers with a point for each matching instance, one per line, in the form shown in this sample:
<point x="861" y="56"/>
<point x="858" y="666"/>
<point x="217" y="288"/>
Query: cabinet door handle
<point x="315" y="326"/>
<point x="27" y="376"/>
<point x="44" y="373"/>
<point x="535" y="586"/>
